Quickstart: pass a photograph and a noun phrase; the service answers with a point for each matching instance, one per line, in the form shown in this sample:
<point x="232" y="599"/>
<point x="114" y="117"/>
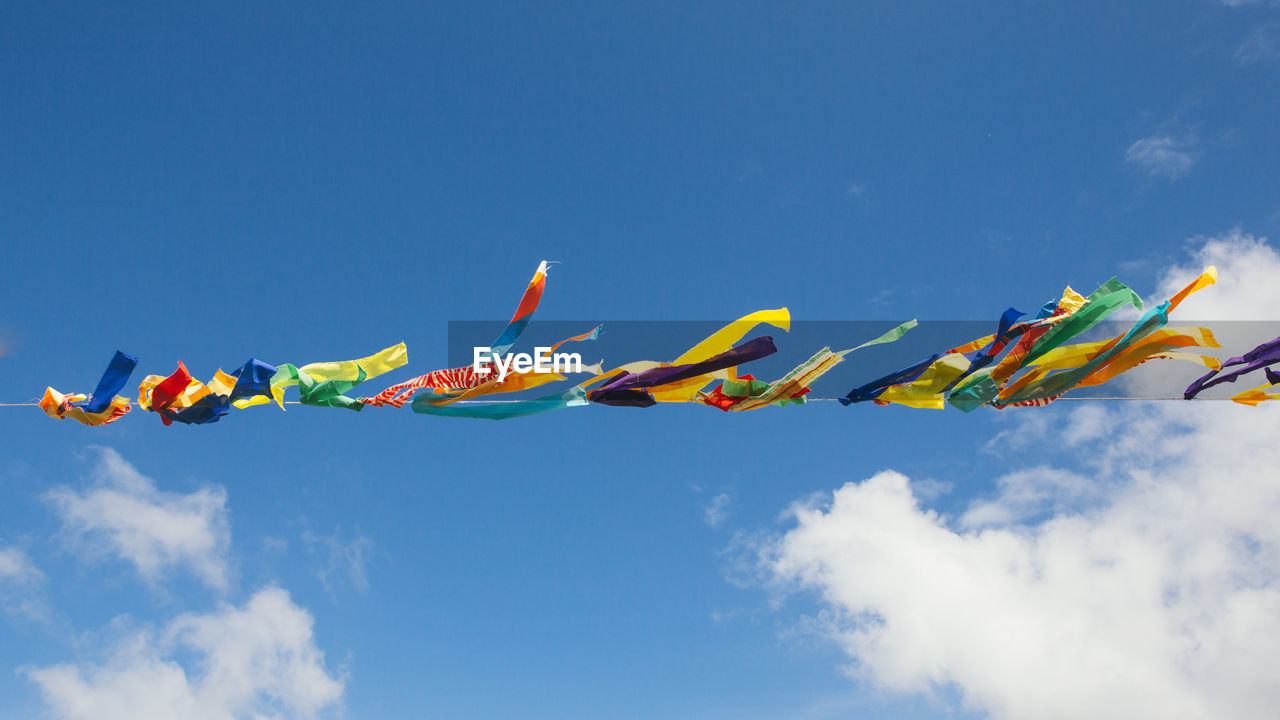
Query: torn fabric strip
<point x="326" y="384"/>
<point x="628" y="389"/>
<point x="524" y="312"/>
<point x="452" y="379"/>
<point x="1264" y="355"/>
<point x="573" y="397"/>
<point x="104" y="406"/>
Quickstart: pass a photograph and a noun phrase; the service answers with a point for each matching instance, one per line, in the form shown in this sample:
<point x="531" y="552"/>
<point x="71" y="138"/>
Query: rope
<point x="807" y="399"/>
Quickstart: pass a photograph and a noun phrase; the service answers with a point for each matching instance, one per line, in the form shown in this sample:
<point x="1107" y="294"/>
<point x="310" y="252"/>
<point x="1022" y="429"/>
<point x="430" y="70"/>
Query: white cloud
<point x="257" y="661"/>
<point x="718" y="511"/>
<point x="1141" y="581"/>
<point x="1236" y="309"/>
<point x="1162" y="156"/>
<point x="1023" y="494"/>
<point x="1246" y="288"/>
<point x="122" y="512"/>
<point x="16" y="568"/>
<point x="345" y="559"/>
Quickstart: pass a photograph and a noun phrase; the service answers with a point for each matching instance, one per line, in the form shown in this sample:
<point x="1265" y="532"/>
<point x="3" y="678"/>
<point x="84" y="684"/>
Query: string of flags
<point x="1024" y="363"/>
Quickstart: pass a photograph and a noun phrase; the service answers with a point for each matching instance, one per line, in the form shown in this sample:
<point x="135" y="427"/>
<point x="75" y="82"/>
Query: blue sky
<point x="316" y="183"/>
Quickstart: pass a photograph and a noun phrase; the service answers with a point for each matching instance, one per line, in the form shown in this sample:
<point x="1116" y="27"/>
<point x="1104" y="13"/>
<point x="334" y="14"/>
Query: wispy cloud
<point x="723" y="616"/>
<point x="1025" y="494"/>
<point x="122" y="513"/>
<point x="1260" y="45"/>
<point x="16" y="567"/>
<point x="930" y="489"/>
<point x="20" y="584"/>
<point x="1163" y="156"/>
<point x="259" y="660"/>
<point x="343" y="559"/>
<point x="883" y="297"/>
<point x="718" y="511"/>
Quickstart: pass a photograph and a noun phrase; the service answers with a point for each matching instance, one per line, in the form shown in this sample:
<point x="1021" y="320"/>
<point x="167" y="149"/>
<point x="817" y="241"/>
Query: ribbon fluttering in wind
<point x="463" y="378"/>
<point x="1074" y="365"/>
<point x="104" y="406"/>
<point x="181" y="398"/>
<point x="1260" y="394"/>
<point x="738" y="396"/>
<point x="1056" y="323"/>
<point x="687" y="388"/>
<point x="325" y="384"/>
<point x="573" y="397"/>
<point x="638" y="389"/>
<point x="524" y="311"/>
<point x="1023" y="363"/>
<point x="1259" y="358"/>
<point x="467" y="378"/>
<point x="457" y="379"/>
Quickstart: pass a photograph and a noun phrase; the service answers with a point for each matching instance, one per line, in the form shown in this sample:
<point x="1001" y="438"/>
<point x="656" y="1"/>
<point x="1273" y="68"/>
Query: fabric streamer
<point x="1046" y="332"/>
<point x="733" y="392"/>
<point x="925" y="391"/>
<point x="253" y="385"/>
<point x="1092" y="364"/>
<point x="454" y="379"/>
<point x="873" y="389"/>
<point x="466" y="378"/>
<point x="1101" y="303"/>
<point x="1266" y="354"/>
<point x="928" y="388"/>
<point x="524" y="312"/>
<point x="988" y="348"/>
<point x="515" y="382"/>
<point x="792" y="387"/>
<point x="1017" y="357"/>
<point x="751" y="350"/>
<point x="718" y="342"/>
<point x="61" y="407"/>
<point x="635" y="389"/>
<point x="573" y="397"/>
<point x="181" y="398"/>
<point x="1160" y="345"/>
<point x="325" y="384"/>
<point x="715" y="344"/>
<point x="1260" y="394"/>
<point x="1080" y="362"/>
<point x="249" y="383"/>
<point x="512" y="383"/>
<point x="1024" y="363"/>
<point x="104" y="406"/>
<point x="165" y="395"/>
<point x="110" y="384"/>
<point x="209" y="407"/>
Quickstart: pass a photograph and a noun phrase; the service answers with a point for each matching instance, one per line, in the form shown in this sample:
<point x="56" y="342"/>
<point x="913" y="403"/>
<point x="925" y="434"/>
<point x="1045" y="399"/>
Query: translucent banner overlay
<point x="626" y="341"/>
